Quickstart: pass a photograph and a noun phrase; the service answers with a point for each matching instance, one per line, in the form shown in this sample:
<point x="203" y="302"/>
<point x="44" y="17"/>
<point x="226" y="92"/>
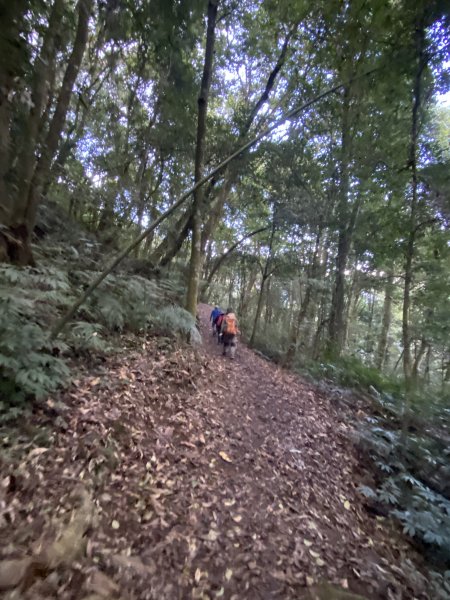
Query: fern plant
<point x="32" y="298"/>
<point x="28" y="366"/>
<point x="174" y="319"/>
<point x="402" y="489"/>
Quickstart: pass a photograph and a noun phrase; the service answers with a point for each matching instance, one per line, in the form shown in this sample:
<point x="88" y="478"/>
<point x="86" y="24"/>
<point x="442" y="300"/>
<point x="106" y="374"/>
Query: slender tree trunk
<point x="303" y="311"/>
<point x="269" y="308"/>
<point x="24" y="216"/>
<point x="418" y="360"/>
<point x="380" y="359"/>
<point x="265" y="276"/>
<point x="351" y="308"/>
<point x="296" y="328"/>
<point x="230" y="174"/>
<point x="64" y="320"/>
<point x="426" y="375"/>
<point x="336" y="319"/>
<point x="41" y="80"/>
<point x="419" y="38"/>
<point x="258" y="311"/>
<point x="247" y="289"/>
<point x="195" y="264"/>
<point x="230" y="291"/>
<point x="369" y="336"/>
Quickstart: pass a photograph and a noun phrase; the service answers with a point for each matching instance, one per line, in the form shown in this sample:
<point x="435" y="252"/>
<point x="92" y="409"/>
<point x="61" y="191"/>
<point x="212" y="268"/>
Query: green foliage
<point x="351" y="372"/>
<point x="28" y="366"/>
<point x="31" y="299"/>
<point x="271" y="342"/>
<point x="405" y="440"/>
<point x="84" y="336"/>
<point x="412" y="469"/>
<point x="175" y="319"/>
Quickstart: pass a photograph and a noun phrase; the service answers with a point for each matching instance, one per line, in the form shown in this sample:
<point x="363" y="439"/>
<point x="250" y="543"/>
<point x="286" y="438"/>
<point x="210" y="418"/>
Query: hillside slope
<point x="175" y="473"/>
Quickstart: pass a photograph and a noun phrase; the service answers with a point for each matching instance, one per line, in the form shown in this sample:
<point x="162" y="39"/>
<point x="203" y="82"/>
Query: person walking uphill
<point x="229" y="331"/>
<point x="213" y="316"/>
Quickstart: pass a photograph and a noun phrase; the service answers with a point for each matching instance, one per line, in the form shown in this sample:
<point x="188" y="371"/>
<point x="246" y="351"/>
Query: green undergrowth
<point x="32" y="299"/>
<point x="405" y="442"/>
<point x="350" y="372"/>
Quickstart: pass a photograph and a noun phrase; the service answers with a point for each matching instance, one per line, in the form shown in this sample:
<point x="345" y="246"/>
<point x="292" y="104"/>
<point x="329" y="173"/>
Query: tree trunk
<point x="41" y="79"/>
<point x="419" y="39"/>
<point x="336" y="320"/>
<point x="63" y="321"/>
<point x="265" y="276"/>
<point x="24" y="215"/>
<point x="386" y="321"/>
<point x="418" y="360"/>
<point x="296" y="328"/>
<point x="246" y="290"/>
<point x="303" y="311"/>
<point x="230" y="174"/>
<point x="258" y="311"/>
<point x="426" y="375"/>
<point x="195" y="264"/>
<point x="13" y="56"/>
<point x="268" y="308"/>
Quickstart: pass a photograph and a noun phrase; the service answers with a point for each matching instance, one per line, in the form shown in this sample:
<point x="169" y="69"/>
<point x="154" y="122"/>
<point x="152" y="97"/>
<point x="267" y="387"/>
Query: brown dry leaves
<point x="210" y="479"/>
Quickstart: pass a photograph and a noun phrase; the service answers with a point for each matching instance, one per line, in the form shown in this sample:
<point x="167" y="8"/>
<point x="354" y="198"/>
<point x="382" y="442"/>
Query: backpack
<point x="229" y="324"/>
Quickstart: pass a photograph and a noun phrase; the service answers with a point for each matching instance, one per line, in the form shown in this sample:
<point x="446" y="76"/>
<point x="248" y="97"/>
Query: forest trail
<point x="208" y="479"/>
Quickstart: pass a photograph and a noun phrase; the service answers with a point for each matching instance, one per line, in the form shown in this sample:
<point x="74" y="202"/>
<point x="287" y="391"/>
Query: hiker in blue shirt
<point x="214" y="314"/>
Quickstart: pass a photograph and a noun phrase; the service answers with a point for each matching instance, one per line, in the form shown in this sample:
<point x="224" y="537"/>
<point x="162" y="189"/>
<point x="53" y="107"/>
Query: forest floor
<point x="167" y="473"/>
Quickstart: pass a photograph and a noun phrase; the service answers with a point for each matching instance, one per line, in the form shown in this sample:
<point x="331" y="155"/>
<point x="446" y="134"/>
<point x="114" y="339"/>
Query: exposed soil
<point x="209" y="478"/>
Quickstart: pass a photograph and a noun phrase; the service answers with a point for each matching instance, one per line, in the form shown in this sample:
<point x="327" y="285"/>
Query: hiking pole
<point x="62" y="322"/>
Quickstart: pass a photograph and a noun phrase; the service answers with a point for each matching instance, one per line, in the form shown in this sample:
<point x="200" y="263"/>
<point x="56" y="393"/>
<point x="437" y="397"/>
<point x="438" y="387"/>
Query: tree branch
<point x="62" y="322"/>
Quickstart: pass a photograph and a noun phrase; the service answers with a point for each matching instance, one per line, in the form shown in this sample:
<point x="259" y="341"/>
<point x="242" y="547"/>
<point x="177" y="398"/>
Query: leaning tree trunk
<point x="229" y="174"/>
<point x="64" y="320"/>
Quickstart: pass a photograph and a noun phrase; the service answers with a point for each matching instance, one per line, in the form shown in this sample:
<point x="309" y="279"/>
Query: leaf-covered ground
<point x="166" y="474"/>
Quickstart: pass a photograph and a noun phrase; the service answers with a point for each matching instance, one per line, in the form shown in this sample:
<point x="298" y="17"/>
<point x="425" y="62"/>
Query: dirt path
<point x="210" y="479"/>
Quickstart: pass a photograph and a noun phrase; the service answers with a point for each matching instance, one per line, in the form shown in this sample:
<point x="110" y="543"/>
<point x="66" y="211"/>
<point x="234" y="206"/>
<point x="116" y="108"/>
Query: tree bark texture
<point x="294" y="334"/>
<point x="265" y="276"/>
<point x="419" y="39"/>
<point x="336" y="319"/>
<point x="23" y="215"/>
<point x="195" y="264"/>
<point x="381" y="354"/>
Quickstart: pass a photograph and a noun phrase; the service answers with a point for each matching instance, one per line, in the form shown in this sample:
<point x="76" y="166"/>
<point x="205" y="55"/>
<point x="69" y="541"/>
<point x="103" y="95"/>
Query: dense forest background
<point x="328" y="235"/>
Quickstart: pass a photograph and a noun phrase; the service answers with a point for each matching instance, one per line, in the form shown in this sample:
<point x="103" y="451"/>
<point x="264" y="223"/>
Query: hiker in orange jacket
<point x="229" y="330"/>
